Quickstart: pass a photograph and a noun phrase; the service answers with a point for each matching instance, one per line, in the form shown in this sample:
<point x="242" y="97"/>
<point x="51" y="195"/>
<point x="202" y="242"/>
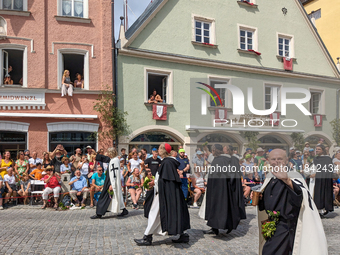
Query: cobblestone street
<point x="29" y="230"/>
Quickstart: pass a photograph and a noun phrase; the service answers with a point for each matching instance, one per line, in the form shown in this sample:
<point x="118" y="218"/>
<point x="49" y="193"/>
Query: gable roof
<point x="154" y="7"/>
<point x="150" y="9"/>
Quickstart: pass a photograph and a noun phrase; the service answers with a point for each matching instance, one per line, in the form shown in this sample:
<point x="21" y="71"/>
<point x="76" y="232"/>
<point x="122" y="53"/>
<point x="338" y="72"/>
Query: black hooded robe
<point x="222" y="210"/>
<point x="174" y="214"/>
<point x="104" y="198"/>
<point x="323" y="189"/>
<point x="237" y="187"/>
<point x="148" y="202"/>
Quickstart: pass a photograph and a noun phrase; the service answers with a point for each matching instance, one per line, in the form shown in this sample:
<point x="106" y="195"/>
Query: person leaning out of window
<point x="79" y="82"/>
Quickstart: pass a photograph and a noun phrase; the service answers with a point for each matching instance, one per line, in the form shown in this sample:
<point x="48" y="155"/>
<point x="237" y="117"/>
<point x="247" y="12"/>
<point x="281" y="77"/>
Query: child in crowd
<point x="36" y="174"/>
<point x="25" y="187"/>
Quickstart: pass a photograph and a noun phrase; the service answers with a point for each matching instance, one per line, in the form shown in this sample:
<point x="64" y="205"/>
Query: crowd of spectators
<point x="86" y="171"/>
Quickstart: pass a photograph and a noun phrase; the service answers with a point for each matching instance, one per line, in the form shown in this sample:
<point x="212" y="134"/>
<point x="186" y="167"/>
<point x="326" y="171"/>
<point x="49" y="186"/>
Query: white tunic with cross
<point x="117" y="203"/>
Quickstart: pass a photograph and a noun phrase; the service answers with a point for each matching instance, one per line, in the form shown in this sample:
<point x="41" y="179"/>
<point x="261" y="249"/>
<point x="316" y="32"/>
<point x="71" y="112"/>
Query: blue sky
<point x="137" y="8"/>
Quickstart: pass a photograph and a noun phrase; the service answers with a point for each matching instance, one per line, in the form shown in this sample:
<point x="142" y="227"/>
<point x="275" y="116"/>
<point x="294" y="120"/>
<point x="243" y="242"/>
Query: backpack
<point x="67" y="200"/>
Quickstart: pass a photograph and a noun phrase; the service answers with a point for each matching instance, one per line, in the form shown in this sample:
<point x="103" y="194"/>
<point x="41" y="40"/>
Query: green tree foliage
<point x="336" y="130"/>
<point x="253" y="142"/>
<point x="299" y="141"/>
<point x="113" y="119"/>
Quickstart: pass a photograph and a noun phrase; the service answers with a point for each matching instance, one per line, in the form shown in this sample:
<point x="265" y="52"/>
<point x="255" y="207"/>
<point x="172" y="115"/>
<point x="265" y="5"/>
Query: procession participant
<point x="287" y="203"/>
<point x="111" y="202"/>
<point x="222" y="211"/>
<point x="169" y="212"/>
<point x="321" y="182"/>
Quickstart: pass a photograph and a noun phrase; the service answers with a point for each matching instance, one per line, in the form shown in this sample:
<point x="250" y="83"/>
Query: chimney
<point x="122" y="37"/>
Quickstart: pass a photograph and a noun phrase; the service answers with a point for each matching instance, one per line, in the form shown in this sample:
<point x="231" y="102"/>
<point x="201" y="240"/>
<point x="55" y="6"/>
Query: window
<point x="202" y="34"/>
<point x="72" y="140"/>
<point x="73" y="8"/>
<point x="268" y="96"/>
<point x="77" y="62"/>
<point x="247" y="38"/>
<point x="160" y="83"/>
<point x="285" y="46"/>
<point x="3" y="27"/>
<point x="203" y="30"/>
<point x="13" y="142"/>
<point x="15" y="5"/>
<point x="315" y="103"/>
<point x="222" y="92"/>
<point x="13" y="65"/>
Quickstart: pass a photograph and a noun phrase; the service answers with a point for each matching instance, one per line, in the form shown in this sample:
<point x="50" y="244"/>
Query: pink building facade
<point x="38" y="41"/>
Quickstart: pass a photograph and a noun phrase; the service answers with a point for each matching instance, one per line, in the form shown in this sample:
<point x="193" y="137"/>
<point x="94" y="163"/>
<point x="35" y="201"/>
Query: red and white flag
<point x="220" y="115"/>
<point x="288" y="64"/>
<point x="159" y="112"/>
<point x="317" y="120"/>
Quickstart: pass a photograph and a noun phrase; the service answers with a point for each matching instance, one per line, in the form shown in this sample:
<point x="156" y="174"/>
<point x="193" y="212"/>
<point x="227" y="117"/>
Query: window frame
<point x="85" y="10"/>
<point x="291" y="44"/>
<point x="321" y="103"/>
<point x="212" y="28"/>
<point x="272" y="85"/>
<point x="170" y="84"/>
<point x="228" y="96"/>
<point x="60" y="69"/>
<point x="24" y="7"/>
<point x="254" y="30"/>
<point x="10" y="46"/>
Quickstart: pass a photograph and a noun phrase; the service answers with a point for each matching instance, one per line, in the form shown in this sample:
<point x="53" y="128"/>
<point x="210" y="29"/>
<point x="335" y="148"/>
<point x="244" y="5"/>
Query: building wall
<point x="171" y="31"/>
<point x="327" y="25"/>
<point x="42" y="65"/>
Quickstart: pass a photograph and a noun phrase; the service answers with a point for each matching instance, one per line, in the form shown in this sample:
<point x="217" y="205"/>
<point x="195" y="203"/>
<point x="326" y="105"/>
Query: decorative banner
<point x="288" y="64"/>
<point x="220" y="115"/>
<point x="317" y="120"/>
<point x="12" y="100"/>
<point x="275" y="116"/>
<point x="159" y="112"/>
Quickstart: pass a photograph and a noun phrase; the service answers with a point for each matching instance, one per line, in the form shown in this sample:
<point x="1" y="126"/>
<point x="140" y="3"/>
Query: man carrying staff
<point x="286" y="202"/>
<point x="111" y="197"/>
<point x="169" y="212"/>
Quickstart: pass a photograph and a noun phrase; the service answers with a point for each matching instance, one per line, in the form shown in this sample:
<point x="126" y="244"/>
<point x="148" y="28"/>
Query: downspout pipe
<point x="114" y="63"/>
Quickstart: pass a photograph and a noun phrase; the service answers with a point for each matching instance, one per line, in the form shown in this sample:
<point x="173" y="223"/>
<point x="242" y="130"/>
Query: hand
<point x="111" y="189"/>
<point x="10" y="190"/>
<point x="280" y="174"/>
<point x="79" y="193"/>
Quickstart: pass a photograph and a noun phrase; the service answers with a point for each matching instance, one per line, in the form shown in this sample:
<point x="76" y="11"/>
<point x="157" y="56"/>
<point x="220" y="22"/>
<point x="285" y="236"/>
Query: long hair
<point x="65" y="71"/>
<point x="162" y="151"/>
<point x="112" y="152"/>
<point x="18" y="155"/>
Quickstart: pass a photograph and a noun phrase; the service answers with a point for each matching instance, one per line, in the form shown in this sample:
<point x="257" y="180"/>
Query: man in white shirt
<point x="33" y="161"/>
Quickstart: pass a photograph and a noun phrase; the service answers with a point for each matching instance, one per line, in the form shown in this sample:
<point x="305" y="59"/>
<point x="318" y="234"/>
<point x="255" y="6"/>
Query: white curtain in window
<point x="78" y="8"/>
<point x="67" y="7"/>
<point x="18" y="4"/>
<point x="7" y="4"/>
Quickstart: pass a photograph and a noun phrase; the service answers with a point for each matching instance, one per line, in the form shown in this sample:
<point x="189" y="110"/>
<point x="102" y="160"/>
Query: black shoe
<point x="146" y="241"/>
<point x="96" y="217"/>
<point x="211" y="231"/>
<point x="325" y="213"/>
<point x="124" y="212"/>
<point x="321" y="216"/>
<point x="184" y="238"/>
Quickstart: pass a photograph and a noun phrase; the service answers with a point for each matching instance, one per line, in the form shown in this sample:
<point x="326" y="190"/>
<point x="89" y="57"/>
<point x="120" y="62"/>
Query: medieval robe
<point x="300" y="230"/>
<point x="169" y="212"/>
<point x="222" y="207"/>
<point x="106" y="202"/>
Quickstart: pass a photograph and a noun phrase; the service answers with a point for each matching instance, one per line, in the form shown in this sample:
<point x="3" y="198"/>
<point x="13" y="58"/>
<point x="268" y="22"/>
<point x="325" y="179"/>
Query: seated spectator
<point x="2" y="190"/>
<point x="247" y="166"/>
<point x="134" y="184"/>
<point x="21" y="165"/>
<point x="66" y="84"/>
<point x="33" y="161"/>
<point x="10" y="184"/>
<point x="97" y="184"/>
<point x="249" y="180"/>
<point x="198" y="183"/>
<point x="79" y="81"/>
<point x="6" y="162"/>
<point x="78" y="187"/>
<point x="46" y="160"/>
<point x="36" y="174"/>
<point x="25" y="188"/>
<point x="51" y="185"/>
<point x="66" y="166"/>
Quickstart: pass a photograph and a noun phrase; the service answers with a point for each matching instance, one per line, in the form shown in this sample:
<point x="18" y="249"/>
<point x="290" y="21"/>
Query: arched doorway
<point x="150" y="140"/>
<point x="222" y="139"/>
<point x="273" y="142"/>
